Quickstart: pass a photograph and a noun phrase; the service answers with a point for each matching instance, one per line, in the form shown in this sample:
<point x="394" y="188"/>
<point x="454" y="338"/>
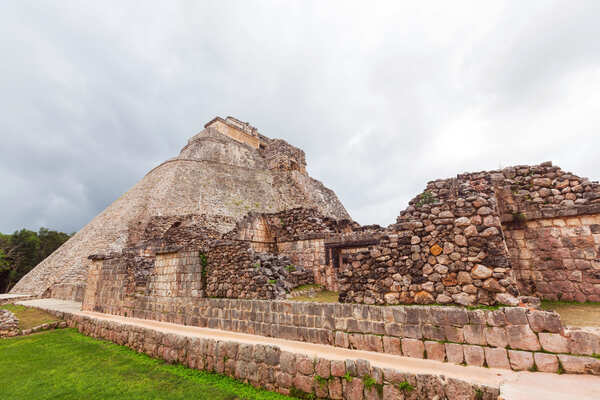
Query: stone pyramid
<point x="222" y="174"/>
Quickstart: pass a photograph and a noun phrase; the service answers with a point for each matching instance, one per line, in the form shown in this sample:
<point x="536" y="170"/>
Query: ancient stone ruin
<point x="235" y="215"/>
<point x="222" y="174"/>
<point x="204" y="238"/>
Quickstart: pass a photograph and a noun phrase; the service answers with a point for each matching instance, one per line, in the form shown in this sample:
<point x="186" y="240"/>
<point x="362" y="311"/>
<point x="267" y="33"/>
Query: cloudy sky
<point x="382" y="96"/>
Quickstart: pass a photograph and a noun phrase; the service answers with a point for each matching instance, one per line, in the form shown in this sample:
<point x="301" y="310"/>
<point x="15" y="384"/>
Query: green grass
<point x="29" y="317"/>
<point x="309" y="286"/>
<point x="324" y="296"/>
<point x="573" y="313"/>
<point x="64" y="364"/>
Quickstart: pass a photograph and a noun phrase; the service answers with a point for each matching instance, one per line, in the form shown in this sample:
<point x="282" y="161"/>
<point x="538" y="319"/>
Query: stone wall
<point x="289" y="373"/>
<point x="557" y="258"/>
<point x="236" y="271"/>
<point x="447" y="247"/>
<point x="280" y="155"/>
<point x="9" y="324"/>
<point x="510" y="338"/>
<point x="309" y="254"/>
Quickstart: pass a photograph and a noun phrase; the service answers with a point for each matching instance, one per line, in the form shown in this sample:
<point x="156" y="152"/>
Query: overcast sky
<point x="382" y="96"/>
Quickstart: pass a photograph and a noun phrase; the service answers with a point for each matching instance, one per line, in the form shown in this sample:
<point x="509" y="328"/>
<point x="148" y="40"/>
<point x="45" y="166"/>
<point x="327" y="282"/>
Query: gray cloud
<point x="382" y="97"/>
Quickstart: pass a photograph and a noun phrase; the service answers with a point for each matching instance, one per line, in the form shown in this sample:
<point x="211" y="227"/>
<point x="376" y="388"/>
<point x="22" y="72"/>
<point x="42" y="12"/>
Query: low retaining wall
<point x="512" y="337"/>
<point x="285" y="372"/>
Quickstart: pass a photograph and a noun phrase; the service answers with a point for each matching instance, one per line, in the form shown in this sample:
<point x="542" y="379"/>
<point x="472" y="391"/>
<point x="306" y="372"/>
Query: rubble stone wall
<point x="511" y="338"/>
<point x="236" y="271"/>
<point x="447" y="247"/>
<point x="286" y="372"/>
<point x="9" y="324"/>
<point x="557" y="258"/>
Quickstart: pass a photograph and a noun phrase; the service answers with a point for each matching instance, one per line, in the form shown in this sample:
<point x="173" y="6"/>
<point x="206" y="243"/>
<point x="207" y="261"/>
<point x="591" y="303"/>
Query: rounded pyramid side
<point x="63" y="273"/>
<point x="213" y="175"/>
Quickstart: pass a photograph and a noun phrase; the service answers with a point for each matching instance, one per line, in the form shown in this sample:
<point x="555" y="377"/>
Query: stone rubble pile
<point x="236" y="271"/>
<point x="9" y="324"/>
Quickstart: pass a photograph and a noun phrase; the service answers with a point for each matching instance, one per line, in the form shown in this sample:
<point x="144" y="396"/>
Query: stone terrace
<point x="326" y="371"/>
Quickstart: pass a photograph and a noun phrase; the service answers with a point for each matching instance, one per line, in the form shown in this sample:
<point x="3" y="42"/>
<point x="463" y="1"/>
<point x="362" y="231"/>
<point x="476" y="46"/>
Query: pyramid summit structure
<point x="224" y="172"/>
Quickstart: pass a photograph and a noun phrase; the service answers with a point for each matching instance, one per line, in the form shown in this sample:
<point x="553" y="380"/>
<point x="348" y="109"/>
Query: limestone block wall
<point x="510" y="338"/>
<point x="177" y="277"/>
<point x="310" y="254"/>
<point x="289" y="373"/>
<point x="557" y="258"/>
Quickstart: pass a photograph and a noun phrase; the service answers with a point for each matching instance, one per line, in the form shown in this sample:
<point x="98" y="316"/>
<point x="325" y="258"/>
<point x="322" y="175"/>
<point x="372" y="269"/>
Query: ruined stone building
<point x="236" y="215"/>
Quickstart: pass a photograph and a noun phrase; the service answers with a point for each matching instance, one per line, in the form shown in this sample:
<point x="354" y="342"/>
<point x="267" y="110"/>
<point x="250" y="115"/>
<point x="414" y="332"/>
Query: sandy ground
<point x="513" y="385"/>
<point x="576" y="314"/>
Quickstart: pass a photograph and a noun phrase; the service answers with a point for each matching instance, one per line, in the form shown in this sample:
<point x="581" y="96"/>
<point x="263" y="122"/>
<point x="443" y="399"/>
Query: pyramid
<point x="224" y="172"/>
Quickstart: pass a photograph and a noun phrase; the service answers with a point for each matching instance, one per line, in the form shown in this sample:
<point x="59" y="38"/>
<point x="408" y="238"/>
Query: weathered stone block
<point x="516" y="315"/>
<point x="435" y="350"/>
<point x="579" y="365"/>
<point x="454" y="353"/>
<point x="335" y="388"/>
<point x="413" y="348"/>
<point x="522" y="337"/>
<point x="342" y="340"/>
<point x="288" y="362"/>
<point x="474" y="355"/>
<point x="546" y="362"/>
<point x="433" y="332"/>
<point x="496" y="336"/>
<point x="304" y="383"/>
<point x="323" y="368"/>
<point x="474" y="334"/>
<point x="554" y="342"/>
<point x="353" y="390"/>
<point x="496" y="358"/>
<point x="305" y="365"/>
<point x="391" y="345"/>
<point x="541" y="321"/>
<point x="520" y="360"/>
<point x="338" y="368"/>
<point x="583" y="342"/>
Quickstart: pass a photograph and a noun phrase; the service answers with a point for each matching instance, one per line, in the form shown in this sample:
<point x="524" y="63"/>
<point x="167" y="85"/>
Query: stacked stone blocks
<point x="286" y="372"/>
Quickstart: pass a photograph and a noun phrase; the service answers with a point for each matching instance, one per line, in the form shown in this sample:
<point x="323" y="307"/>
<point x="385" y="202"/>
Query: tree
<point x="23" y="250"/>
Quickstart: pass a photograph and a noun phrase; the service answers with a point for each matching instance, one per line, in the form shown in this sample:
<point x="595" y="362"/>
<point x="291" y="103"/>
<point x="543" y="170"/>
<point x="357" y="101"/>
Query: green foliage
<point x="290" y="268"/>
<point x="300" y="394"/>
<point x="272" y="281"/>
<point x="204" y="263"/>
<point x="321" y="381"/>
<point x="23" y="250"/>
<point x="203" y="260"/>
<point x="347" y="377"/>
<point x="256" y="265"/>
<point x="63" y="364"/>
<point x="370" y="382"/>
<point x="405" y="386"/>
<point x="425" y="198"/>
<point x="478" y="394"/>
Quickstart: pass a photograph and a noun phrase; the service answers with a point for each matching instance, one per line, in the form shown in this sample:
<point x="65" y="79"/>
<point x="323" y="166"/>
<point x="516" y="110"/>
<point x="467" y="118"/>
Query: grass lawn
<point x="324" y="296"/>
<point x="29" y="317"/>
<point x="573" y="313"/>
<point x="64" y="364"/>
